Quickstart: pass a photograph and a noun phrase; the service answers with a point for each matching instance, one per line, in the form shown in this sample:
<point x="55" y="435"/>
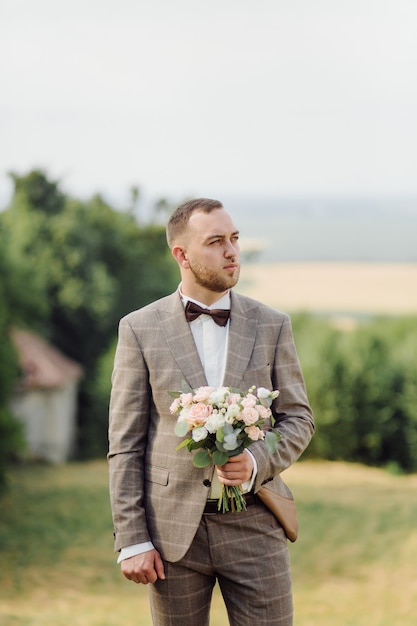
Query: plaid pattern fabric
<point x="247" y="552"/>
<point x="156" y="493"/>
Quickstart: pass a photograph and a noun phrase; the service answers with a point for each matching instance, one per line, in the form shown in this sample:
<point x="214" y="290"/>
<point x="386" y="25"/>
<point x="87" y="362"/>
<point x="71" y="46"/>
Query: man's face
<point x="212" y="250"/>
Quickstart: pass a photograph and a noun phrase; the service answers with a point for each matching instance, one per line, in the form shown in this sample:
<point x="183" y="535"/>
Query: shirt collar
<point x="221" y="303"/>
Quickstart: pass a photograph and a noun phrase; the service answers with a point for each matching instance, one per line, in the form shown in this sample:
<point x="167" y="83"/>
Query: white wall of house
<point x="48" y="416"/>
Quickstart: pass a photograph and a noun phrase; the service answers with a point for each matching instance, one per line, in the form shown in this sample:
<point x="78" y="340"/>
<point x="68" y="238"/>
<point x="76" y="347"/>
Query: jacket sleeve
<point x="292" y="412"/>
<point x="128" y="428"/>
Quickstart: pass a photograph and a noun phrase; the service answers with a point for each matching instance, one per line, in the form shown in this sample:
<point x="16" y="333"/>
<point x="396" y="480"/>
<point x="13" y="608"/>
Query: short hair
<point x="178" y="221"/>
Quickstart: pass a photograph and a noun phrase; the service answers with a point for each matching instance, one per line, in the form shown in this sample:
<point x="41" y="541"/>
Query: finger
<point x="159" y="568"/>
<point x="139" y="580"/>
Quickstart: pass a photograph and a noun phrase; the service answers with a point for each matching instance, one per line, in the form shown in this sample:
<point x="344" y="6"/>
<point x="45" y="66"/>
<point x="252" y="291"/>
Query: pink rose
<point x="202" y="393"/>
<point x="250" y="416"/>
<point x="249" y="400"/>
<point x="234" y="398"/>
<point x="186" y="399"/>
<point x="254" y="433"/>
<point x="175" y="406"/>
<point x="263" y="411"/>
<point x="198" y="413"/>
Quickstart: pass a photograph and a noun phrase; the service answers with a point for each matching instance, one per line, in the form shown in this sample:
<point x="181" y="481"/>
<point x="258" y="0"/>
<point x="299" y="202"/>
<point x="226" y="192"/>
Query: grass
<point x="353" y="564"/>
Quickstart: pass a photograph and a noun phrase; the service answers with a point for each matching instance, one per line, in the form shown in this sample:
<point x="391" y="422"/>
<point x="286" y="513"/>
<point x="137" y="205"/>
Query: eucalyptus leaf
<point x="181" y="428"/>
<point x="220" y="458"/>
<point x="271" y="440"/>
<point x="201" y="459"/>
<point x="219" y="446"/>
<point x="186" y="387"/>
<point x="194" y="445"/>
<point x="220" y="435"/>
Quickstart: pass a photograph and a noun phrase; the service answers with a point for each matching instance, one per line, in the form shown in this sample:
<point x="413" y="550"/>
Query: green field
<point x="353" y="565"/>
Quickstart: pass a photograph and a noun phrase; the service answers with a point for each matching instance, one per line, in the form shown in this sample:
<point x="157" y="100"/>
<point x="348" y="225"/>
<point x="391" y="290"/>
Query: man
<point x="167" y="530"/>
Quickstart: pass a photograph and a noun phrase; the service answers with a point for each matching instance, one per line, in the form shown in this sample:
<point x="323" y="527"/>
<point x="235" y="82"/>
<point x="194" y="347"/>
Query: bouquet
<point x="220" y="423"/>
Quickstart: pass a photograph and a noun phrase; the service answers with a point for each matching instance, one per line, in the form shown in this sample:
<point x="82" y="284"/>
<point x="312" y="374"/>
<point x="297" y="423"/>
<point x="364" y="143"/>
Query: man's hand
<point x="236" y="471"/>
<point x="143" y="568"/>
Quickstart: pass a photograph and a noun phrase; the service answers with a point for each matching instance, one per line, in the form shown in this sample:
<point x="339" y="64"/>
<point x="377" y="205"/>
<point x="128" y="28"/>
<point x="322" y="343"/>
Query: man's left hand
<point x="236" y="471"/>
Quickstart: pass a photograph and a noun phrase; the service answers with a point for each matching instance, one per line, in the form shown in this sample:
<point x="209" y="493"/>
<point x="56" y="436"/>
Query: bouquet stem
<point x="231" y="499"/>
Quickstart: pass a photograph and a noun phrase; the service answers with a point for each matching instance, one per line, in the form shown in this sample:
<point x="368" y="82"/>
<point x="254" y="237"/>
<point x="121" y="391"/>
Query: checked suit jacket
<point x="156" y="493"/>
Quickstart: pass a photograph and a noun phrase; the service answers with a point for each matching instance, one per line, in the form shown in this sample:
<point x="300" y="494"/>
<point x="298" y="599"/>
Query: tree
<point x="11" y="434"/>
<point x="89" y="265"/>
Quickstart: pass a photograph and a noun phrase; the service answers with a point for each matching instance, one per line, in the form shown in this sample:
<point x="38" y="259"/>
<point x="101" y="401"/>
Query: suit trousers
<point x="247" y="553"/>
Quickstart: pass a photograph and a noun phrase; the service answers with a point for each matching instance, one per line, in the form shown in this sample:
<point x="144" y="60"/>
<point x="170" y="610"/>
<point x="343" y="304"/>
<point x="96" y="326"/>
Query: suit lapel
<point x="179" y="339"/>
<point x="242" y="333"/>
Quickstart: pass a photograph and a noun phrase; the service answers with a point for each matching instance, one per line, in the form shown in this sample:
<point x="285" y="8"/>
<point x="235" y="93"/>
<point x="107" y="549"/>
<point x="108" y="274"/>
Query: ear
<point x="180" y="255"/>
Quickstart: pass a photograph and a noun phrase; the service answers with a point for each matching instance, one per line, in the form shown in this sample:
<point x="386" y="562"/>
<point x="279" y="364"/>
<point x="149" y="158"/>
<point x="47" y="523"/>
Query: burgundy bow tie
<point x="192" y="311"/>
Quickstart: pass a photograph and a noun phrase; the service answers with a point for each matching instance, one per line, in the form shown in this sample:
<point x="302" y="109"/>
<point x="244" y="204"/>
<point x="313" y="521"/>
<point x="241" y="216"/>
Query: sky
<point x="196" y="98"/>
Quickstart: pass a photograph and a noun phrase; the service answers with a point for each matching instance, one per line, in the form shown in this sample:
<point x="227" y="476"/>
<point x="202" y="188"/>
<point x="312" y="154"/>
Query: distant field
<point x="335" y="288"/>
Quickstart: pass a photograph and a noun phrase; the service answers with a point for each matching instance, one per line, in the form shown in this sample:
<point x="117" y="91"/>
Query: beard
<point x="210" y="279"/>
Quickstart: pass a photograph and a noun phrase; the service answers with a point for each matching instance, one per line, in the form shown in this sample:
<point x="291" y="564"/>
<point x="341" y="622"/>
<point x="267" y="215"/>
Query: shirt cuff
<point x="137" y="548"/>
<point x="248" y="484"/>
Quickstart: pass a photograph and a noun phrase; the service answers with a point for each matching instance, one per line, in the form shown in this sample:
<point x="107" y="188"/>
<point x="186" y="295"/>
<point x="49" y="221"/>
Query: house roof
<point x="43" y="366"/>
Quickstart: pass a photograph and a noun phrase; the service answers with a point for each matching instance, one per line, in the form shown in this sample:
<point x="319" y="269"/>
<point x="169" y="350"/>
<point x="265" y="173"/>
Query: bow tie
<point x="192" y="311"/>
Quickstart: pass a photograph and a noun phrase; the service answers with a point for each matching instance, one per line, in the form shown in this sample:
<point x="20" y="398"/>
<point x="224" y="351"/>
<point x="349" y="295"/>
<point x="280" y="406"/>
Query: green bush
<point x="11" y="432"/>
<point x="363" y="389"/>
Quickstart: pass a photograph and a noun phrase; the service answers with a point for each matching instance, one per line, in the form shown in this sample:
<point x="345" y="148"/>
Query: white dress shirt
<point x="211" y="343"/>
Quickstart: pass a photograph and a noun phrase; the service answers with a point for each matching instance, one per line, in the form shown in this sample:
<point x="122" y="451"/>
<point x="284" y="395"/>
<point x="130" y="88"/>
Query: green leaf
<point x="194" y="445"/>
<point x="186" y="387"/>
<point x="220" y="458"/>
<point x="220" y="435"/>
<point x="201" y="459"/>
<point x="174" y="394"/>
<point x="219" y="446"/>
<point x="272" y="437"/>
<point x="181" y="428"/>
<point x="183" y="443"/>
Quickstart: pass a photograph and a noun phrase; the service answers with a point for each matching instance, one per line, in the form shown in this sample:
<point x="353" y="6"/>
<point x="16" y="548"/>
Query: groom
<point x="167" y="527"/>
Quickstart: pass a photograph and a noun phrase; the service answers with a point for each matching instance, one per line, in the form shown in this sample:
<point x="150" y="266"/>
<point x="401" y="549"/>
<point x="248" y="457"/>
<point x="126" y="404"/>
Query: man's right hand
<point x="143" y="568"/>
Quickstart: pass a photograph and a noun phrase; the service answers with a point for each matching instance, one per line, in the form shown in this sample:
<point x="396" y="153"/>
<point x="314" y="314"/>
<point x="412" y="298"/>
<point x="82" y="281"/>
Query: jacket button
<point x="206" y="482"/>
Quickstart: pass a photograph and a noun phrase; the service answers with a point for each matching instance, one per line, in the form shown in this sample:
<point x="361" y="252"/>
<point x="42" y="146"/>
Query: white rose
<point x="266" y="397"/>
<point x="218" y="395"/>
<point x="263" y="393"/>
<point x="183" y="414"/>
<point x="214" y="422"/>
<point x="229" y="419"/>
<point x="200" y="433"/>
<point x="232" y="411"/>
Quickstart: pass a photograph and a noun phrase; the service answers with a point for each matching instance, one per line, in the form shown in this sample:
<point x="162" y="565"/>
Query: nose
<point x="231" y="249"/>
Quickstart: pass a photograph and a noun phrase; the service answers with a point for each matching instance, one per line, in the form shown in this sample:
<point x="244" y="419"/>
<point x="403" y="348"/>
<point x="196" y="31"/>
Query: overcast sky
<point x="191" y="97"/>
